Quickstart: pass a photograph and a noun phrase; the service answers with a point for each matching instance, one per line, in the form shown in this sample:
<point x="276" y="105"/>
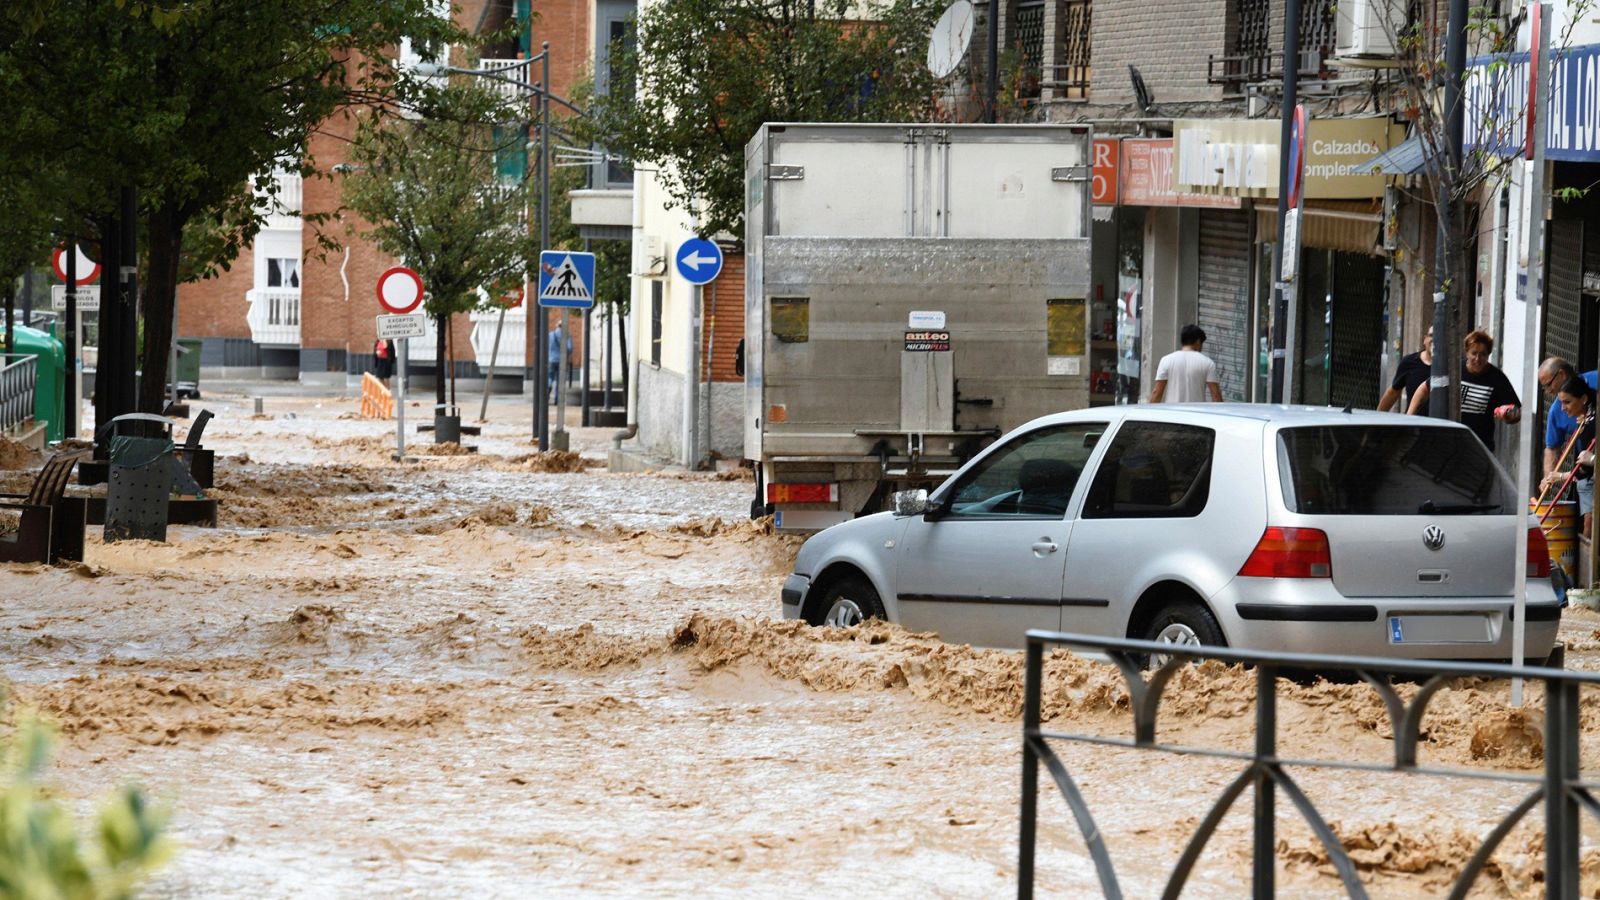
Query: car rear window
<point x="1390" y="470"/>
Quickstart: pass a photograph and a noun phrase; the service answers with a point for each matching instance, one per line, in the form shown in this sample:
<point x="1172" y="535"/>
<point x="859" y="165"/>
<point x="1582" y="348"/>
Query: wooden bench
<point x="50" y="526"/>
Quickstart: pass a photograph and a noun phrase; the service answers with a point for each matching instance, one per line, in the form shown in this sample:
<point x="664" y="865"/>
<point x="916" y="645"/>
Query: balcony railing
<point x="274" y="316"/>
<point x="18" y="377"/>
<point x="283" y="208"/>
<point x="515" y="69"/>
<point x="513" y="339"/>
<point x="1253" y="57"/>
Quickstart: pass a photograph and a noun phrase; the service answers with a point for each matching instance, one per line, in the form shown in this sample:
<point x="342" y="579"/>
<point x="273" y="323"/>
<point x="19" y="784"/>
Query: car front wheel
<point x="1183" y="623"/>
<point x="849" y="601"/>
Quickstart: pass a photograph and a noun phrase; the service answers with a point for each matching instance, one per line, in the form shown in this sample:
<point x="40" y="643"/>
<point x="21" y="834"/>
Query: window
<point x="615" y="35"/>
<point x="1388" y="470"/>
<point x="283" y="273"/>
<point x="1153" y="470"/>
<point x="655" y="323"/>
<point x="1032" y="477"/>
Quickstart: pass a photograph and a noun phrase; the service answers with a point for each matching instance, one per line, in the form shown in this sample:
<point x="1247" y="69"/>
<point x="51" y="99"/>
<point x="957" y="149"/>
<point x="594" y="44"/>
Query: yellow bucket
<point x="1561" y="533"/>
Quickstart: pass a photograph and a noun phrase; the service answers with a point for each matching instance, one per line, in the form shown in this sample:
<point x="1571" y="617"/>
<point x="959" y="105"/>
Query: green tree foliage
<point x="41" y="852"/>
<point x="707" y="73"/>
<point x="185" y="100"/>
<point x="432" y="192"/>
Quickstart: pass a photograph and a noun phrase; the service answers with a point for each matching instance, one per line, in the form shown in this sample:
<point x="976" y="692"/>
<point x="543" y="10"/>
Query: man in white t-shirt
<point x="1187" y="375"/>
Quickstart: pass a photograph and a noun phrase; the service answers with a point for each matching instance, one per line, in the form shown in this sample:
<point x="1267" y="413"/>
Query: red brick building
<point x="289" y="310"/>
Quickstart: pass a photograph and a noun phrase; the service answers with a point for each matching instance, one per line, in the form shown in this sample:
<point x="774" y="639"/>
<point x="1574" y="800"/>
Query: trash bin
<point x="51" y="369"/>
<point x="141" y="483"/>
<point x="145" y="473"/>
<point x="188" y="374"/>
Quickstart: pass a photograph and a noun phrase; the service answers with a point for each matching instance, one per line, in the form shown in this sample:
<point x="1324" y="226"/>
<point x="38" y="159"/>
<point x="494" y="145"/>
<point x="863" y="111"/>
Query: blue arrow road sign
<point x="566" y="279"/>
<point x="699" y="261"/>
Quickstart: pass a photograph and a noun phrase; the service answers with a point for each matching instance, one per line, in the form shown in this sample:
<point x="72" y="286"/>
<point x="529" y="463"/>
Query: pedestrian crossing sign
<point x="566" y="279"/>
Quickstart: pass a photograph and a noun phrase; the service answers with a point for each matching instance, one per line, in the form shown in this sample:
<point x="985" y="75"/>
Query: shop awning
<point x="1406" y="158"/>
<point x="1352" y="225"/>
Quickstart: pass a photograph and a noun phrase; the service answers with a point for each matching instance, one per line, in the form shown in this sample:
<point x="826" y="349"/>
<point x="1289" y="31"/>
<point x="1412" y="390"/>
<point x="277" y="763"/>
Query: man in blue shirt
<point x="1559" y="426"/>
<point x="555" y="357"/>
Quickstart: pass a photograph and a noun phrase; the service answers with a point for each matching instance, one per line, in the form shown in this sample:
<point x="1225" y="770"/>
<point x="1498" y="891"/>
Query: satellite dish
<point x="951" y="36"/>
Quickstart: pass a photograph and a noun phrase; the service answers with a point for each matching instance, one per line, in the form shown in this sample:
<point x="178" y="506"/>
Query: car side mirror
<point x="910" y="503"/>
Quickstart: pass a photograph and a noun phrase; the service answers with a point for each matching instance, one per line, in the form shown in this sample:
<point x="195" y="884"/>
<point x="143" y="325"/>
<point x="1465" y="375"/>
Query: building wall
<point x="337" y="327"/>
<point x="659" y="411"/>
<point x="724" y="316"/>
<point x="1168" y="40"/>
<point x="215" y="307"/>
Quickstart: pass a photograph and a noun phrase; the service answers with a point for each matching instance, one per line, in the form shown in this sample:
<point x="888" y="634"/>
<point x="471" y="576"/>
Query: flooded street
<point x="470" y="675"/>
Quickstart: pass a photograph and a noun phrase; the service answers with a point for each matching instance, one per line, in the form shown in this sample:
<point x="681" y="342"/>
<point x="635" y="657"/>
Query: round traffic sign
<point x="87" y="269"/>
<point x="699" y="260"/>
<point x="399" y="290"/>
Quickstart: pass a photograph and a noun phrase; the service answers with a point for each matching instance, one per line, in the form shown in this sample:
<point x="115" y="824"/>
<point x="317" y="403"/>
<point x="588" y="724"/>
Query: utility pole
<point x="1282" y="354"/>
<point x="1448" y="181"/>
<point x="541" y="325"/>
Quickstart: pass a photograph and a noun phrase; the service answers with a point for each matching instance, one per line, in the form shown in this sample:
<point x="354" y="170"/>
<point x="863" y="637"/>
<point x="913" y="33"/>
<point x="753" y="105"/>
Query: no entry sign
<point x="399" y="290"/>
<point x="87" y="269"/>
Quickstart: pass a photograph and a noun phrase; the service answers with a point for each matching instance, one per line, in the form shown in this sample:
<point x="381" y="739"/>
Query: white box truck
<point x="911" y="293"/>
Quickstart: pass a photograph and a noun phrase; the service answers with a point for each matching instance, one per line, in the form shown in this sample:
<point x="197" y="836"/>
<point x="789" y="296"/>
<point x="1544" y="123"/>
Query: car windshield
<point x="1390" y="470"/>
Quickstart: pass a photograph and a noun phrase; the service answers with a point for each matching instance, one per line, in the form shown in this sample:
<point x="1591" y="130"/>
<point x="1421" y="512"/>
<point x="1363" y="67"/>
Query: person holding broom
<point x="1577" y="401"/>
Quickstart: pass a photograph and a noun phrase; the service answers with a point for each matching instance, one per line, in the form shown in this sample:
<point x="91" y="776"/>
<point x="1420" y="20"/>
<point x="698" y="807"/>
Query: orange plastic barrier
<point x="376" y="401"/>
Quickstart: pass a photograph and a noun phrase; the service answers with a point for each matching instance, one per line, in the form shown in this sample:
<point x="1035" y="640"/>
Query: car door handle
<point x="1044" y="546"/>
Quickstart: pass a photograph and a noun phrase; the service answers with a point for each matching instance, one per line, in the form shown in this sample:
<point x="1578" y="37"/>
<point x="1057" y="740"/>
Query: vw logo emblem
<point x="1433" y="537"/>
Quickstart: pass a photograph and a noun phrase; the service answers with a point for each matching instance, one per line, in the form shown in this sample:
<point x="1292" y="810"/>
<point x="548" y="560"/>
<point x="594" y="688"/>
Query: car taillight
<point x="802" y="493"/>
<point x="1538" y="554"/>
<point x="1290" y="553"/>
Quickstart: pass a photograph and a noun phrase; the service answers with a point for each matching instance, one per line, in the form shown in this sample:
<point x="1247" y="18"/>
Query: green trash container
<point x="51" y="370"/>
<point x="189" y="367"/>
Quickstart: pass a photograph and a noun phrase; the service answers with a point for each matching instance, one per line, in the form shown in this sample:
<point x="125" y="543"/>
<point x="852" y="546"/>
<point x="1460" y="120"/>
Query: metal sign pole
<point x="563" y="375"/>
<point x="72" y="384"/>
<point x="400" y="402"/>
<point x="1540" y="73"/>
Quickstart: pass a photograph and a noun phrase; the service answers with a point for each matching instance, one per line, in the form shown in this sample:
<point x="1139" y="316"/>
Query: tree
<point x="1455" y="176"/>
<point x="186" y="101"/>
<point x="431" y="189"/>
<point x="703" y="75"/>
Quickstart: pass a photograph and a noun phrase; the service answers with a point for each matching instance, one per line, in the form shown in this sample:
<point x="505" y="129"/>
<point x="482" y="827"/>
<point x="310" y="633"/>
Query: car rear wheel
<point x="1183" y="623"/>
<point x="849" y="601"/>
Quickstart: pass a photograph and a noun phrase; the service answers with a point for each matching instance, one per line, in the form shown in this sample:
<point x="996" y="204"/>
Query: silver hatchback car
<point x="1293" y="529"/>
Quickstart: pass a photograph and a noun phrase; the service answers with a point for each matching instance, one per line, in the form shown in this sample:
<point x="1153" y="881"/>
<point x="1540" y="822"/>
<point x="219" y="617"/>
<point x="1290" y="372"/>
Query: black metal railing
<point x="1252" y="56"/>
<point x="18" y="378"/>
<point x="1069" y="76"/>
<point x="1028" y="21"/>
<point x="1560" y="790"/>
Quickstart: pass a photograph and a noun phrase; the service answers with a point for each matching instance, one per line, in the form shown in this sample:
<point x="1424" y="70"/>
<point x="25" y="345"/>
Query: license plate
<point x="1465" y="628"/>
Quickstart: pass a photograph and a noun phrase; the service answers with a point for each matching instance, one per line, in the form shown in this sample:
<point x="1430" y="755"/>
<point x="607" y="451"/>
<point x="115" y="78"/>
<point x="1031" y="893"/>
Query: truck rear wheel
<point x="848" y="601"/>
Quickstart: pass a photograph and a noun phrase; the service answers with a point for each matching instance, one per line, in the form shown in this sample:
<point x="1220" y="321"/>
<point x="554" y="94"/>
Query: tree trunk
<point x="622" y="344"/>
<point x="108" y="371"/>
<point x="443" y="324"/>
<point x="160" y="301"/>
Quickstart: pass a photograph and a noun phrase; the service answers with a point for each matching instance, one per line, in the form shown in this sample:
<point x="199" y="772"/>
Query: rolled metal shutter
<point x="1564" y="295"/>
<point x="1224" y="296"/>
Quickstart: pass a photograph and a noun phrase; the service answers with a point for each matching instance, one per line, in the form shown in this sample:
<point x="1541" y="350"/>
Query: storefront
<point x="1344" y="300"/>
<point x="1162" y="260"/>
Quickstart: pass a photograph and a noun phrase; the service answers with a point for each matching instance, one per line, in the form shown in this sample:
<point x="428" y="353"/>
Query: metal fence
<point x="1560" y="790"/>
<point x="19" y="374"/>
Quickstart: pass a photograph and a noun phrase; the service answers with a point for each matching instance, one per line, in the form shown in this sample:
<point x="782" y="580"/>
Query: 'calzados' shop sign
<point x="1239" y="157"/>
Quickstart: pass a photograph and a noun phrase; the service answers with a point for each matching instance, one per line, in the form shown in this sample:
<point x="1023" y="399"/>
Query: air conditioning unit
<point x="1364" y="32"/>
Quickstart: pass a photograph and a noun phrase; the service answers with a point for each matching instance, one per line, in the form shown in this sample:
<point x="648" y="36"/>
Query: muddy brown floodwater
<point x="501" y="674"/>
